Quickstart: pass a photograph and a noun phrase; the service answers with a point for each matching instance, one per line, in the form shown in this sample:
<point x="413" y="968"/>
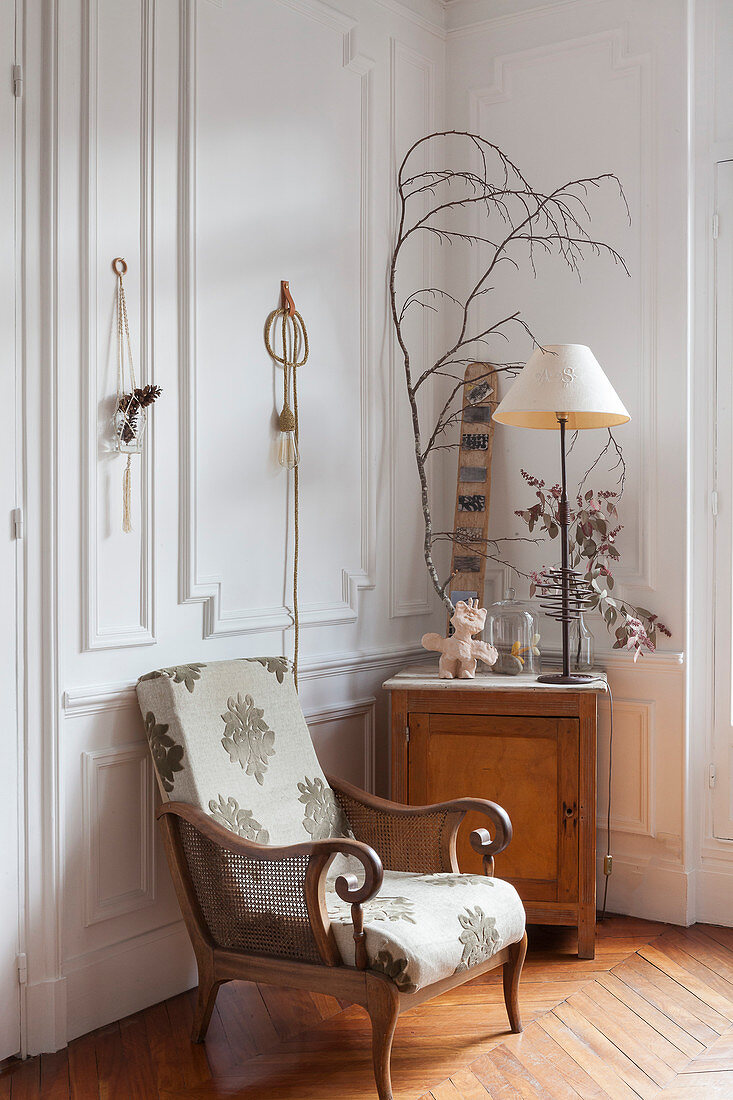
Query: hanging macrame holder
<point x="288" y="419"/>
<point x="129" y="427"/>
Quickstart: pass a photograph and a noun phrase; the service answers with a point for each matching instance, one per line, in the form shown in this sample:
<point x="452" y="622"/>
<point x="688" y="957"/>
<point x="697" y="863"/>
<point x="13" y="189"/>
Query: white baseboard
<point x="114" y="982"/>
<point x="647" y="890"/>
<point x="45" y="1011"/>
<point x="714" y="897"/>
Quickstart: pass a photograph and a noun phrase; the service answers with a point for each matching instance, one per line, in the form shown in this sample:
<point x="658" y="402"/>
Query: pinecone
<point x="129" y="428"/>
<point x="130" y="404"/>
<point x="147" y="395"/>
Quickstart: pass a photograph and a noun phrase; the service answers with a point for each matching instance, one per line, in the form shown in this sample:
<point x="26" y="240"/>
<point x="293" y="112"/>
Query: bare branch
<point x="620" y="463"/>
<point x="530" y="223"/>
<point x="450" y="537"/>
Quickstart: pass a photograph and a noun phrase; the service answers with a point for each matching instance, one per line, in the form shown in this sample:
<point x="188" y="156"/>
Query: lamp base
<point x="558" y="678"/>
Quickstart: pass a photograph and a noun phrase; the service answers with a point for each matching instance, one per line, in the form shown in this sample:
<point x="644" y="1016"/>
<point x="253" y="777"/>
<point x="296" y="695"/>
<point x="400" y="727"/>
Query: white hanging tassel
<point x="127" y="497"/>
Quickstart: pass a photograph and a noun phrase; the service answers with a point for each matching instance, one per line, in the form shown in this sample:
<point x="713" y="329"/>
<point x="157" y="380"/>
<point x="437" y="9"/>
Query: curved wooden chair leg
<point x="511" y="973"/>
<point x="207" y="991"/>
<point x="383" y="1008"/>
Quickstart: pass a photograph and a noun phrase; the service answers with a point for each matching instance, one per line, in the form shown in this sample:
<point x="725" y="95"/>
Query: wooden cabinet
<point x="529" y="747"/>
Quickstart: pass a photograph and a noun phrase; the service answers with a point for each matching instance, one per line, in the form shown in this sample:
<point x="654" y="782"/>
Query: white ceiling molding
<point x="467" y="17"/>
<point x="428" y="14"/>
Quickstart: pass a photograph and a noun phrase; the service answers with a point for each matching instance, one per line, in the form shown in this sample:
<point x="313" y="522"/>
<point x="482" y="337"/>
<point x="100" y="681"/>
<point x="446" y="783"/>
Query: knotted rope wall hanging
<point x="132" y="404"/>
<point x="293" y="334"/>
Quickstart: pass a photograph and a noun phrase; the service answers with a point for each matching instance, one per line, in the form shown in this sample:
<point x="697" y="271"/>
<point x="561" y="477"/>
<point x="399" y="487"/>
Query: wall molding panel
<point x="634" y="735"/>
<point x="405" y="61"/>
<point x="100" y="769"/>
<point x="638" y="68"/>
<point x="356" y="708"/>
<point x="95" y="276"/>
<point x="219" y="621"/>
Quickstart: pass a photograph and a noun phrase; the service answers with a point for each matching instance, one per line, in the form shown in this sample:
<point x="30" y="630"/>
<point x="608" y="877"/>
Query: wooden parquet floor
<point x="651" y="1016"/>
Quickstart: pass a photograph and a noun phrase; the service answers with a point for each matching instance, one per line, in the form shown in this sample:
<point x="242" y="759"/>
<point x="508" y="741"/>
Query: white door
<point x="723" y="790"/>
<point x="9" y="890"/>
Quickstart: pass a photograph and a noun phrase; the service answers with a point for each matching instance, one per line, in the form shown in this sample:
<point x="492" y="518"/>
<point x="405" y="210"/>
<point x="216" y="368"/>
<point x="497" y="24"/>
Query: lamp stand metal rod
<point x="563" y="516"/>
<point x="564" y="550"/>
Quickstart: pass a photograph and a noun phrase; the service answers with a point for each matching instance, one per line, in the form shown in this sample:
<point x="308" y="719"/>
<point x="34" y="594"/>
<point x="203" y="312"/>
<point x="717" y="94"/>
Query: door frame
<point x="43" y="1005"/>
<point x="720" y="782"/>
<point x="14" y="521"/>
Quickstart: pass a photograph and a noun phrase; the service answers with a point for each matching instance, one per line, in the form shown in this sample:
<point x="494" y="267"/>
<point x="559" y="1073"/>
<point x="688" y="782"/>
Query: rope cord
<point x="123" y="337"/>
<point x="289" y="422"/>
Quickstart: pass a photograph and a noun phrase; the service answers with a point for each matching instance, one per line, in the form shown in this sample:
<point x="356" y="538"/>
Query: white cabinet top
<point x="425" y="677"/>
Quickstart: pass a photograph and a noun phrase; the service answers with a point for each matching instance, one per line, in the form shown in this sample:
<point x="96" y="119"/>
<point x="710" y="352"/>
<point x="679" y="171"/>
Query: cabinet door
<point x="530" y="766"/>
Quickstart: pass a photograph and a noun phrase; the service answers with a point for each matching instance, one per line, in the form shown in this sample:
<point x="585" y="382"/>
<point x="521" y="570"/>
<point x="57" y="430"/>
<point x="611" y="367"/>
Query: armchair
<point x="369" y="907"/>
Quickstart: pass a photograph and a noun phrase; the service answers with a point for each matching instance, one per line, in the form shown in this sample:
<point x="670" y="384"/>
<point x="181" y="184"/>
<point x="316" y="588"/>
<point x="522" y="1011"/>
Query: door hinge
<point x="17" y="81"/>
<point x="22" y="964"/>
<point x="407" y="735"/>
<point x="716" y="226"/>
<point x="712" y="775"/>
<point x="714" y="502"/>
<point x="16" y="517"/>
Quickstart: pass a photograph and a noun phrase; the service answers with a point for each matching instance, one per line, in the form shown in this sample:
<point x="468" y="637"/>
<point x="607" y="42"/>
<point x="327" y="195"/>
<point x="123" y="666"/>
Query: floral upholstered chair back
<point x="230" y="738"/>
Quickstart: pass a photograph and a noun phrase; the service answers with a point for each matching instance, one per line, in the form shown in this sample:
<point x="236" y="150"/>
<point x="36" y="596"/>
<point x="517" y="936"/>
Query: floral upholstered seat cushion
<point x="229" y="737"/>
<point x="423" y="928"/>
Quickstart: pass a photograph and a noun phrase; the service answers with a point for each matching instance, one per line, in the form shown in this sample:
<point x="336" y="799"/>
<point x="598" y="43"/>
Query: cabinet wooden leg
<point x="511" y="973"/>
<point x="587" y="937"/>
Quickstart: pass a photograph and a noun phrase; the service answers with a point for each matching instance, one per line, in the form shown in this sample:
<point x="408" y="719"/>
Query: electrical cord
<point x="607" y="873"/>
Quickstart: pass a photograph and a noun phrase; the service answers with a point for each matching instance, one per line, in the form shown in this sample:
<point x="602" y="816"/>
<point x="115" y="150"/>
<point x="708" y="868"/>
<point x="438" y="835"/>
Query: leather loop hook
<point x="288" y="302"/>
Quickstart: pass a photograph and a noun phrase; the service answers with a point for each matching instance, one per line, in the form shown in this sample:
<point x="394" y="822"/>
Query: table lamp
<point x="563" y="386"/>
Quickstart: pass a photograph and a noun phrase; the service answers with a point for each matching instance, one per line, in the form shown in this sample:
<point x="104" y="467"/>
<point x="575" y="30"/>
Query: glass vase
<point x="128" y="430"/>
<point x="581" y="645"/>
<point x="511" y="627"/>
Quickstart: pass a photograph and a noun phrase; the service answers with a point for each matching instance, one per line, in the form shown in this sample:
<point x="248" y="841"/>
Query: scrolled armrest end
<point x="481" y="840"/>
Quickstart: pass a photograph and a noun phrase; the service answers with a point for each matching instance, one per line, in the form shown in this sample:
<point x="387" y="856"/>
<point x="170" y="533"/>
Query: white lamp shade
<point x="562" y="378"/>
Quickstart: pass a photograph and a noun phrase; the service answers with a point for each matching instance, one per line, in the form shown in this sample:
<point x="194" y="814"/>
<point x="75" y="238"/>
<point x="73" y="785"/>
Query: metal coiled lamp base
<point x="566" y="594"/>
<point x="564" y="597"/>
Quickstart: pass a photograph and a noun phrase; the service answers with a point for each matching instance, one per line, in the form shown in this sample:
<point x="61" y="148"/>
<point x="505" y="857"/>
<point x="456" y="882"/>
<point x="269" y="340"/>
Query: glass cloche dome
<point x="512" y="628"/>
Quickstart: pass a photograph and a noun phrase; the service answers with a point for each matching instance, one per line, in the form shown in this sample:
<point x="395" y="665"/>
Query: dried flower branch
<point x="594" y="528"/>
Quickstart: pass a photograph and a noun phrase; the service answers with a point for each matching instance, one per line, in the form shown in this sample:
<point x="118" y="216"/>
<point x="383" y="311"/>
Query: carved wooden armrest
<point x="261" y="899"/>
<point x="421" y="839"/>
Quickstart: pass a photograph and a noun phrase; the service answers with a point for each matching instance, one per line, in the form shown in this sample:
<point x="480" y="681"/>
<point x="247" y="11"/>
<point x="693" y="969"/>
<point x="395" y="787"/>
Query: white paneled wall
<point x="579" y="89"/>
<point x="220" y="148"/>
